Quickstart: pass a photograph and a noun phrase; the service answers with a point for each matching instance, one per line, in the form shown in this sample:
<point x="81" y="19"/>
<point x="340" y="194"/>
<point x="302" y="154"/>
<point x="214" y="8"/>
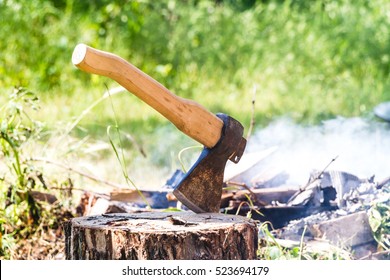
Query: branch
<point x="384" y="182"/>
<point x="252" y="124"/>
<point x="312" y="180"/>
<point x="252" y="194"/>
<point x="91" y="177"/>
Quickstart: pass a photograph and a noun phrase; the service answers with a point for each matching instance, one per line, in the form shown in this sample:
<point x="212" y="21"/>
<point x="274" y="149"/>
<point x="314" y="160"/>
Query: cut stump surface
<point x="161" y="236"/>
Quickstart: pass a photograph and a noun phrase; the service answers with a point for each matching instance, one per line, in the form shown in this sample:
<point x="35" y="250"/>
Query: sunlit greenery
<point x="307" y="59"/>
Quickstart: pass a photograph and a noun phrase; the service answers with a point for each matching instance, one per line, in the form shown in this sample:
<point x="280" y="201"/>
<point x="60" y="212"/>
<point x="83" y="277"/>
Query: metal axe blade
<point x="201" y="187"/>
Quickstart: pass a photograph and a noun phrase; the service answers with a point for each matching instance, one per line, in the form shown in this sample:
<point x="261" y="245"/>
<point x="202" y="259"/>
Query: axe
<point x="200" y="189"/>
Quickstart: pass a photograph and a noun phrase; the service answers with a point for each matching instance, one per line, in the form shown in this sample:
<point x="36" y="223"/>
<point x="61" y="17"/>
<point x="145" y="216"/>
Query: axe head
<point x="200" y="189"/>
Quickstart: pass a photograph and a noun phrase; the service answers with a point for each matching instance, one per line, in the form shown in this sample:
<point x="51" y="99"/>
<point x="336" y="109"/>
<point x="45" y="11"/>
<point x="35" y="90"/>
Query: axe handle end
<point x="188" y="116"/>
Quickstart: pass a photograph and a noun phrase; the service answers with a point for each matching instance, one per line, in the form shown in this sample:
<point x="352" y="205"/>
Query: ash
<point x="352" y="195"/>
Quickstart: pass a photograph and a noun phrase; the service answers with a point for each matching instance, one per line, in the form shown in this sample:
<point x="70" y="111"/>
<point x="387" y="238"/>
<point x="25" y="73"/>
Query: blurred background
<point x="307" y="60"/>
<point x="302" y="62"/>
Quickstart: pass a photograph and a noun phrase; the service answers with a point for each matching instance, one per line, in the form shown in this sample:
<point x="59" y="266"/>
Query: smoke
<point x="361" y="146"/>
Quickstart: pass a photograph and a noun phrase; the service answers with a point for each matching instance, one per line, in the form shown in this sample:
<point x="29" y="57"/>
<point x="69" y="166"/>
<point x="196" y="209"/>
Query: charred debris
<point x="333" y="209"/>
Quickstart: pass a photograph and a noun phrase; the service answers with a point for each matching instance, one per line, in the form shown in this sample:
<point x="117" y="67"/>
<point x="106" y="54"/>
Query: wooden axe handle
<point x="187" y="115"/>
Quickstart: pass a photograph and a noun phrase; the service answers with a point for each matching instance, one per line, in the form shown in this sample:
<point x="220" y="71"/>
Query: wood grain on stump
<point x="162" y="236"/>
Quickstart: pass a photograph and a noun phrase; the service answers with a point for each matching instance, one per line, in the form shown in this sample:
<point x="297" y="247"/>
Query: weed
<point x="121" y="156"/>
<point x="23" y="210"/>
<point x="16" y="129"/>
<point x="180" y="155"/>
<point x="379" y="219"/>
<point x="271" y="248"/>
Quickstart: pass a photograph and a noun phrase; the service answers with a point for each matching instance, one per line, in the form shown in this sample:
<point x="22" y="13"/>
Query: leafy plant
<point x="271" y="248"/>
<point x="379" y="219"/>
<point x="120" y="156"/>
<point x="20" y="212"/>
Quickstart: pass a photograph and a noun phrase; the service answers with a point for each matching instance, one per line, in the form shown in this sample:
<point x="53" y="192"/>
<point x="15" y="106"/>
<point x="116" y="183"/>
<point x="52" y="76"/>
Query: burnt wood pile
<point x="332" y="208"/>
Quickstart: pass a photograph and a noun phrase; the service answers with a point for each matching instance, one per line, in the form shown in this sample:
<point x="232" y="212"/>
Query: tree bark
<point x="161" y="236"/>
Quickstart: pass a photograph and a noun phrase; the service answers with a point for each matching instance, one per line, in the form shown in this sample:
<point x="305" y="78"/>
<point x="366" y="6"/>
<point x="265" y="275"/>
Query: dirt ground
<point x="48" y="245"/>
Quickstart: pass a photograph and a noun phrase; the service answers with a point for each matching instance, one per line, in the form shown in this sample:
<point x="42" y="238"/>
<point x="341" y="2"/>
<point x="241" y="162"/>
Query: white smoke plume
<point x="362" y="147"/>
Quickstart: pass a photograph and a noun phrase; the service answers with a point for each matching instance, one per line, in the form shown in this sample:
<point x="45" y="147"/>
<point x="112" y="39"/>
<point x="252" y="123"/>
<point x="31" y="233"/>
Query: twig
<point x="301" y="243"/>
<point x="382" y="183"/>
<point x="108" y="93"/>
<point x="91" y="177"/>
<point x="252" y="124"/>
<point x="319" y="174"/>
<point x="245" y="187"/>
<point x="301" y="190"/>
<point x="102" y="195"/>
<point x="250" y="206"/>
<point x="135" y="143"/>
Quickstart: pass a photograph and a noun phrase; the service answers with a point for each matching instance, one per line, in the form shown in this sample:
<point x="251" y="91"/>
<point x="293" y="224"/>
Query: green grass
<point x="309" y="60"/>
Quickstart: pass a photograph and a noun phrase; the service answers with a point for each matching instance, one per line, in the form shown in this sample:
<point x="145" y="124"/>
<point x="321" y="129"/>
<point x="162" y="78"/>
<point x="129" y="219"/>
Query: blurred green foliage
<point x="309" y="59"/>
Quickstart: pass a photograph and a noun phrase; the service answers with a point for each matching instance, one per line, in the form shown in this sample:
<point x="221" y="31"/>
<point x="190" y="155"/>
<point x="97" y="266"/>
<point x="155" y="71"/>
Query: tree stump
<point x="161" y="236"/>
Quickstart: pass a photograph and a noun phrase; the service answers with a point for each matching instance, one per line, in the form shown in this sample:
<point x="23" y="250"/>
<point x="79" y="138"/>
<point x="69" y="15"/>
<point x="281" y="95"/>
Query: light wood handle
<point x="187" y="115"/>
